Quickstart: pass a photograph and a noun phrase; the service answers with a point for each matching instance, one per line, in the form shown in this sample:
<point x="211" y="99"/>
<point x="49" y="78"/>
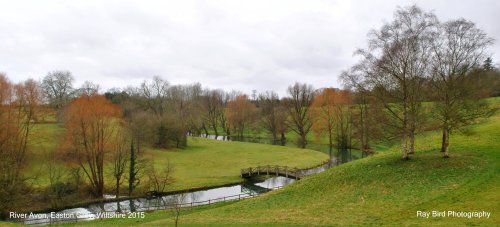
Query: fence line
<point x="50" y="220"/>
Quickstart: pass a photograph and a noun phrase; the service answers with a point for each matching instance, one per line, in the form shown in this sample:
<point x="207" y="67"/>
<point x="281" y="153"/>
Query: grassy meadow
<point x="204" y="163"/>
<point x="372" y="191"/>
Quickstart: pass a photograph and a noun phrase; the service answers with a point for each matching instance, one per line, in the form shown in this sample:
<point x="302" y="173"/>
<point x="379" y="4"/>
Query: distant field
<point x="207" y="162"/>
<point x="376" y="190"/>
<point x="204" y="162"/>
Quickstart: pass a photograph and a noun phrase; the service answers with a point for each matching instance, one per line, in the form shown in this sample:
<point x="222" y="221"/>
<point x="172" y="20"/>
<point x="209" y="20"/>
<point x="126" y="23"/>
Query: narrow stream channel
<point x="247" y="189"/>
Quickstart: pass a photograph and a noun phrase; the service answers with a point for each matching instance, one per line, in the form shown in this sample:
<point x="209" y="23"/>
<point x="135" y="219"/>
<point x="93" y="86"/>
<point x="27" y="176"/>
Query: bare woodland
<point x="415" y="74"/>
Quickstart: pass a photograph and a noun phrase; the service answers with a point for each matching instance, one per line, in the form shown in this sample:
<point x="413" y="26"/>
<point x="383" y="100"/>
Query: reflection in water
<point x="187" y="199"/>
<point x="194" y="198"/>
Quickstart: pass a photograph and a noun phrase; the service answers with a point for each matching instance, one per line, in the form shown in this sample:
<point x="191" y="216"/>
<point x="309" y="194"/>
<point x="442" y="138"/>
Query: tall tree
<point x="58" y="87"/>
<point x="365" y="122"/>
<point x="119" y="157"/>
<point x="18" y="106"/>
<point x="458" y="48"/>
<point x="240" y="114"/>
<point x="298" y="105"/>
<point x="185" y="104"/>
<point x="269" y="110"/>
<point x="398" y="58"/>
<point x="213" y="102"/>
<point x="323" y="113"/>
<point x="89" y="88"/>
<point x="223" y="119"/>
<point x="90" y="123"/>
<point x="327" y="110"/>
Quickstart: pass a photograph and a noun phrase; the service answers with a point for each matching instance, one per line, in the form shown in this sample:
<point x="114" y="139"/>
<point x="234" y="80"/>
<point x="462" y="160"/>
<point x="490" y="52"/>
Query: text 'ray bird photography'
<point x="249" y="113"/>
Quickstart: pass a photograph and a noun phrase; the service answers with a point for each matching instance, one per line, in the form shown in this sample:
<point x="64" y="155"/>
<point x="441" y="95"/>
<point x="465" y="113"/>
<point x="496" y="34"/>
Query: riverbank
<point x="204" y="164"/>
<point x="374" y="190"/>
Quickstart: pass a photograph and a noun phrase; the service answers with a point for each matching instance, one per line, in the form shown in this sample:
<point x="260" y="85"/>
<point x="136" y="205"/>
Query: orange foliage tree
<point x="18" y="106"/>
<point x="240" y="112"/>
<point x="91" y="122"/>
<point x="328" y="112"/>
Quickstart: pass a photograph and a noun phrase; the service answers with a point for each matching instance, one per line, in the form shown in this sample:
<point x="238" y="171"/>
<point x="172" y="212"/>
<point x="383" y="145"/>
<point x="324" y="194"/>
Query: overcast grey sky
<point x="243" y="45"/>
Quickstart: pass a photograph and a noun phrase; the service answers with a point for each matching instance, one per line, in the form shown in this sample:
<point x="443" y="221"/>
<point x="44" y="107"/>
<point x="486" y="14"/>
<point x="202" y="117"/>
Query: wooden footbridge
<point x="284" y="171"/>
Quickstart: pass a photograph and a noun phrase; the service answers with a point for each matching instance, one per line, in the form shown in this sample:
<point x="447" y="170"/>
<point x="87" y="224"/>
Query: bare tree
<point x="88" y="88"/>
<point x="331" y="114"/>
<point x="367" y="120"/>
<point x="175" y="202"/>
<point x="213" y="107"/>
<point x="120" y="157"/>
<point x="228" y="97"/>
<point x="185" y="102"/>
<point x="56" y="173"/>
<point x="139" y="132"/>
<point x="18" y="106"/>
<point x="58" y="87"/>
<point x="155" y="94"/>
<point x="298" y="105"/>
<point x="458" y="48"/>
<point x="240" y="114"/>
<point x="90" y="125"/>
<point x="269" y="104"/>
<point x="398" y="59"/>
<point x="159" y="181"/>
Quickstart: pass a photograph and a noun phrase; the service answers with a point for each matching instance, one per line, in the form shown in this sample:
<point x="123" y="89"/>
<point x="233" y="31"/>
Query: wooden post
<point x="209" y="202"/>
<point x="286" y="171"/>
<point x="267" y="169"/>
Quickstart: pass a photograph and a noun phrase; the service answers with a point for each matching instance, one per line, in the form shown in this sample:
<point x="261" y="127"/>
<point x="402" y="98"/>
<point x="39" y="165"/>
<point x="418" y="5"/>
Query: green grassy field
<point x="203" y="163"/>
<point x="381" y="189"/>
<point x="207" y="162"/>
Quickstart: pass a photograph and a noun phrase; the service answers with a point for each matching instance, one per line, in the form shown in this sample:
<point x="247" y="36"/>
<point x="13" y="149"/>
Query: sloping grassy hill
<point x="377" y="190"/>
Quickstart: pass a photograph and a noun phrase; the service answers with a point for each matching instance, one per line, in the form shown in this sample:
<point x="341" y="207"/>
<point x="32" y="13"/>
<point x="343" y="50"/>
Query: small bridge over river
<point x="284" y="171"/>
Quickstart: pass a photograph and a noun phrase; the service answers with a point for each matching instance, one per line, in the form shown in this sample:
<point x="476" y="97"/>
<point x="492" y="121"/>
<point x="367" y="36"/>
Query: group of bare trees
<point x="414" y="59"/>
<point x="19" y="108"/>
<point x="273" y="115"/>
<point x="416" y="74"/>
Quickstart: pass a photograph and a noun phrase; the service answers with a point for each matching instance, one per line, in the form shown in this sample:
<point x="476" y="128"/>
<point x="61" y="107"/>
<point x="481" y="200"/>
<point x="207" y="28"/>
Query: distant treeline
<point x="417" y="74"/>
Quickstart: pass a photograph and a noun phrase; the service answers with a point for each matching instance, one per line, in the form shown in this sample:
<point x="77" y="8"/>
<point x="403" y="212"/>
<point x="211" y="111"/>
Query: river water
<point x="247" y="189"/>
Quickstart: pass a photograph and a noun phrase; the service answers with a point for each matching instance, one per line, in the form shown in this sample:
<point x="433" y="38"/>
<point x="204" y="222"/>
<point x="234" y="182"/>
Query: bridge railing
<point x="277" y="170"/>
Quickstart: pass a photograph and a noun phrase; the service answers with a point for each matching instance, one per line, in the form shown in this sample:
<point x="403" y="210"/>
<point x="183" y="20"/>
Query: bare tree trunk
<point x="303" y="141"/>
<point x="206" y="130"/>
<point x="405" y="148"/>
<point x="330" y="147"/>
<point x="445" y="142"/>
<point x="177" y="213"/>
<point x="215" y="130"/>
<point x="412" y="142"/>
<point x="131" y="179"/>
<point x="117" y="187"/>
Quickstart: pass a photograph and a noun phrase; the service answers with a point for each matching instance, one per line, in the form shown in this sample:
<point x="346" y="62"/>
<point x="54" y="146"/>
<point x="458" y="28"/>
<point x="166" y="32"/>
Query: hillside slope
<point x="376" y="190"/>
